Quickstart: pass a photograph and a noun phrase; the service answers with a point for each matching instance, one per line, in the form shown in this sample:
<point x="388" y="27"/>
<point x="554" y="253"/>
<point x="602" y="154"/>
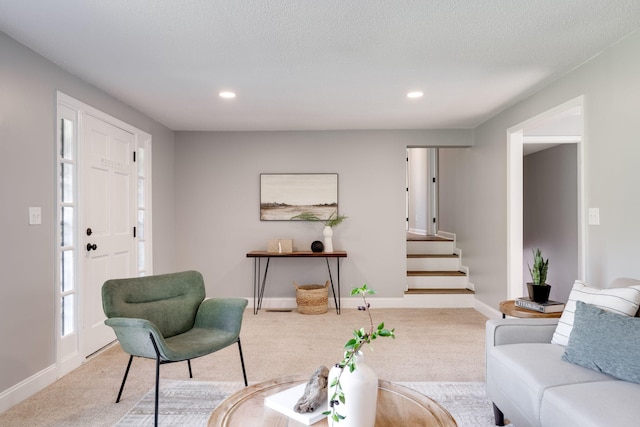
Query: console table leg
<point x="338" y="267"/>
<point x="259" y="283"/>
<point x="335" y="300"/>
<point x="264" y="282"/>
<point x="256" y="280"/>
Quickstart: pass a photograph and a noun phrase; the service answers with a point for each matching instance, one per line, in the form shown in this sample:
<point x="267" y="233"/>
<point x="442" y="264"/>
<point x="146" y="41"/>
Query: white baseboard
<point x="487" y="310"/>
<point x="418" y="231"/>
<point x="446" y="235"/>
<point x="412" y="301"/>
<point x="27" y="388"/>
<point x="290" y="303"/>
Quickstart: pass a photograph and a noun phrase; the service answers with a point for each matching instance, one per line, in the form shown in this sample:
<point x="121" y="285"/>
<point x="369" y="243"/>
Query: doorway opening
<point x="538" y="137"/>
<point x="422" y="191"/>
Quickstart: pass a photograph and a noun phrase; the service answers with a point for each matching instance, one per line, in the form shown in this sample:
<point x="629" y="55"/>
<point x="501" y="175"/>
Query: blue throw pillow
<point x="605" y="342"/>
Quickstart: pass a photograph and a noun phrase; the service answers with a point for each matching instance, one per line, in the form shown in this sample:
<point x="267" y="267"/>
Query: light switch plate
<point x="35" y="215"/>
<point x="594" y="216"/>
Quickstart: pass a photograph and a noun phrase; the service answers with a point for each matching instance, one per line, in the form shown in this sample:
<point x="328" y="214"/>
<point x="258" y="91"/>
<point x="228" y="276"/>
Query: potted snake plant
<point x="538" y="288"/>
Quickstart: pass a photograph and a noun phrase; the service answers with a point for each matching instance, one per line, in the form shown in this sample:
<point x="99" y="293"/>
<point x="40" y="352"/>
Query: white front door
<point x="106" y="236"/>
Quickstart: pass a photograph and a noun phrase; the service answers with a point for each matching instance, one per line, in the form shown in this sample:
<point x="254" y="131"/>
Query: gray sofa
<point x="530" y="384"/>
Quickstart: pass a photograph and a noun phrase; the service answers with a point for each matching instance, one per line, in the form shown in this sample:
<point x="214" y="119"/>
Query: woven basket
<point x="312" y="299"/>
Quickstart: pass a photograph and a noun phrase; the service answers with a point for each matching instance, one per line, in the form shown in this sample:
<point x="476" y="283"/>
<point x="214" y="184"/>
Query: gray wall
<point x="217" y="194"/>
<point x="610" y="84"/>
<point x="550" y="215"/>
<point x="28" y="85"/>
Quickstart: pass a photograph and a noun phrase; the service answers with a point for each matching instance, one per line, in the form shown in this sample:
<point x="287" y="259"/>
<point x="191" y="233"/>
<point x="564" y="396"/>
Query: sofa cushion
<point x="605" y="342"/>
<point x="597" y="404"/>
<point x="522" y="373"/>
<point x="619" y="300"/>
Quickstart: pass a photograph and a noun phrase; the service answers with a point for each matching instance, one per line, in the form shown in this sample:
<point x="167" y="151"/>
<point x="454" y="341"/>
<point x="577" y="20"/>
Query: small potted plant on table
<point x="538" y="288"/>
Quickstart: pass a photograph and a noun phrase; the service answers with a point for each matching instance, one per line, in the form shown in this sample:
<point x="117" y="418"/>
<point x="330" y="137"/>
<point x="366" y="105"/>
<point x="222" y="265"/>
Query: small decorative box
<point x="283" y="246"/>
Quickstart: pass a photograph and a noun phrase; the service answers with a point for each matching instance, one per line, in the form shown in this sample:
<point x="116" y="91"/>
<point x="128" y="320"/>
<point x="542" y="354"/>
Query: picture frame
<point x="285" y="195"/>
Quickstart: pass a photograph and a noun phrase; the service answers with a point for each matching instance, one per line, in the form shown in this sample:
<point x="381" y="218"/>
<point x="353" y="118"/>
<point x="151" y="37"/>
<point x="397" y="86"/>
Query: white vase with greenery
<point x="327" y="232"/>
<point x="361" y="387"/>
<point x="353" y="385"/>
<point x="333" y="220"/>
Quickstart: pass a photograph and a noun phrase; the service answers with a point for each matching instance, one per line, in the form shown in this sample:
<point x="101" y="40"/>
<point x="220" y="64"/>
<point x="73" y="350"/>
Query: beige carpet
<point x="445" y="345"/>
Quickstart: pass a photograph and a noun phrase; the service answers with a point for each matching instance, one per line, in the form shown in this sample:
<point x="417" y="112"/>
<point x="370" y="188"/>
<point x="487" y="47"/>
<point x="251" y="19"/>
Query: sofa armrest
<point x="513" y="331"/>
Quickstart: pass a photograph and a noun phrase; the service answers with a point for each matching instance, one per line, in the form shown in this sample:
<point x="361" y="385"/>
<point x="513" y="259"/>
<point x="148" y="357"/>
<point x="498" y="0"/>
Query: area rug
<point x="190" y="403"/>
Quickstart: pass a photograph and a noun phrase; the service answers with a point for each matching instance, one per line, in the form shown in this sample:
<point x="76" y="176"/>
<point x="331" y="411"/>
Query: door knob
<point x="91" y="247"/>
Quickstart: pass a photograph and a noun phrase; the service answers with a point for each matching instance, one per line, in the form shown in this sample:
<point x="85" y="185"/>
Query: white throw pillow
<point x="619" y="300"/>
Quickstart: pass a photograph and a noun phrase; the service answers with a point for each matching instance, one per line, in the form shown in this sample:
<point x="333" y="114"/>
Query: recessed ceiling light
<point x="415" y="94"/>
<point x="227" y="95"/>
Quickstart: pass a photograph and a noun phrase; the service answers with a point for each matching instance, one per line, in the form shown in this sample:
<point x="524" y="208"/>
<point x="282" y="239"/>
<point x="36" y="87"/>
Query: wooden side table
<point x="509" y="308"/>
<point x="397" y="405"/>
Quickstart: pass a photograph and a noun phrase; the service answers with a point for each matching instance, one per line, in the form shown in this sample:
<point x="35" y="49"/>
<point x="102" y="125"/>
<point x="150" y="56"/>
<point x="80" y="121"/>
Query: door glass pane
<point x="67" y="314"/>
<point x="66" y="183"/>
<point x="67" y="278"/>
<point x="140" y="193"/>
<point x="140" y="159"/>
<point x="66" y="226"/>
<point x="140" y="233"/>
<point x="66" y="143"/>
<point x="141" y="258"/>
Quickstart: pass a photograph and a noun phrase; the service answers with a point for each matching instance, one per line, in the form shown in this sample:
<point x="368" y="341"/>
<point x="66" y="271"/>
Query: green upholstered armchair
<point x="167" y="318"/>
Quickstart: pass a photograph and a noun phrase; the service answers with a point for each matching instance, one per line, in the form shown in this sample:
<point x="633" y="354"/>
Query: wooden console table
<point x="260" y="277"/>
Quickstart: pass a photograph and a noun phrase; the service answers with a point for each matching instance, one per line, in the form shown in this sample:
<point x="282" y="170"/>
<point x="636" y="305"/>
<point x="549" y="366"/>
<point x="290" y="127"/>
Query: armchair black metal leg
<point x="189" y="363"/>
<point x="157" y="390"/>
<point x="124" y="380"/>
<point x="244" y="372"/>
<point x="155" y="347"/>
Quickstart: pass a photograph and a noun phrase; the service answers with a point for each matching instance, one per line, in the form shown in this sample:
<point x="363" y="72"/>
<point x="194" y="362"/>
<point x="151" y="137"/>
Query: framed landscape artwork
<point x="283" y="196"/>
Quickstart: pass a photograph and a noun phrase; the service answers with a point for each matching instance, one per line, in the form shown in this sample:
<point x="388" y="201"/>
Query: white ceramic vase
<point x="328" y="241"/>
<point x="360" y="389"/>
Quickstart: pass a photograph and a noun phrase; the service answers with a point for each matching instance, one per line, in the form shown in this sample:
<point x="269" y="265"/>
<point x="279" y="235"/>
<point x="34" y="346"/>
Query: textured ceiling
<point x="319" y="64"/>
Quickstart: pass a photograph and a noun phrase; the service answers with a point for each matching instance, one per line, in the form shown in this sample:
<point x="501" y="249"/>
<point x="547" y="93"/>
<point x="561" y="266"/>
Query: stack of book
<point x="540" y="307"/>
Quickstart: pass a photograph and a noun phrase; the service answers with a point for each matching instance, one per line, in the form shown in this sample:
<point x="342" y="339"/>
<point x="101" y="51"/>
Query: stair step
<point x="420" y="238"/>
<point x="439" y="247"/>
<point x="432" y="256"/>
<point x="436" y="273"/>
<point x="433" y="263"/>
<point x="438" y="291"/>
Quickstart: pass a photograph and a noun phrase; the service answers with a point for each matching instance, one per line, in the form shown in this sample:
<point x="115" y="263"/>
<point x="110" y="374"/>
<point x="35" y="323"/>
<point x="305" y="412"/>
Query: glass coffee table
<point x="397" y="405"/>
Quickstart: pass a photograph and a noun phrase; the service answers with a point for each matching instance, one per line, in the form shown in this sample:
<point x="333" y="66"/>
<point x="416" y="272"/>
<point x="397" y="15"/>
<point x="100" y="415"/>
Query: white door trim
<point x="68" y="362"/>
<point x="515" y="141"/>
